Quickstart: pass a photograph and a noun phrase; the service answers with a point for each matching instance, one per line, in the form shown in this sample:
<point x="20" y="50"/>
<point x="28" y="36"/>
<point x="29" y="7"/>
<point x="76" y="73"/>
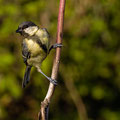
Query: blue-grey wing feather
<point x="25" y="52"/>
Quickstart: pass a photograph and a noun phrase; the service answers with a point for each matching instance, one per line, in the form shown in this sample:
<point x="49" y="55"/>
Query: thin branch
<point x="75" y="96"/>
<point x="43" y="114"/>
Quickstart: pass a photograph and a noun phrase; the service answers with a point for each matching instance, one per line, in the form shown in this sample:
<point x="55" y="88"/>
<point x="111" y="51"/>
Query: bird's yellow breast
<point x="33" y="47"/>
<point x="37" y="54"/>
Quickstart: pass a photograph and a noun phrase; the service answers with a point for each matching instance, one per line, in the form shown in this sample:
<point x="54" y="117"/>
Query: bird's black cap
<point x="27" y="24"/>
<point x="24" y="25"/>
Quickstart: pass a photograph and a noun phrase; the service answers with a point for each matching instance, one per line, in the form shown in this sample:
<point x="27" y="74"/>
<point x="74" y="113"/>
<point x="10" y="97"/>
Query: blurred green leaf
<point x="7" y="60"/>
<point x="98" y="92"/>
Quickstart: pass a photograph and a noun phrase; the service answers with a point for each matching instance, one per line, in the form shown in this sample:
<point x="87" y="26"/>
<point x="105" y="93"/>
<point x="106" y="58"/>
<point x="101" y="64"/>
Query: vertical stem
<point x="43" y="114"/>
<point x="58" y="50"/>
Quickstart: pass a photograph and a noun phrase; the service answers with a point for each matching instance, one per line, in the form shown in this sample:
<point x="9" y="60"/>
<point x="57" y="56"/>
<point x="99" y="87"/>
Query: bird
<point x="35" y="48"/>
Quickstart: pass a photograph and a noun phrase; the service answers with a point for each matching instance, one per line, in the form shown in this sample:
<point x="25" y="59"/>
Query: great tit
<point x="35" y="48"/>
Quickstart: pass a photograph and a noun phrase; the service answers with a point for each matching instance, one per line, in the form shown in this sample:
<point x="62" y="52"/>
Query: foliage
<point x="90" y="60"/>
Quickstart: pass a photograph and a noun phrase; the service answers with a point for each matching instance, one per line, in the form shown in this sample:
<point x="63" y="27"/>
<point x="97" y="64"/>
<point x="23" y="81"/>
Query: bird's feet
<point x="54" y="46"/>
<point x="49" y="78"/>
<point x="57" y="45"/>
<point x="53" y="81"/>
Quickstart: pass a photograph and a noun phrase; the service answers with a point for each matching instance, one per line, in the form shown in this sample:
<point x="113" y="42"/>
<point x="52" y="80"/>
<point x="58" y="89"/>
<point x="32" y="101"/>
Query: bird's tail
<point x="26" y="76"/>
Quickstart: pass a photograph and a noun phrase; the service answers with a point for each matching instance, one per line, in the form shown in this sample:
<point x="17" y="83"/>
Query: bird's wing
<point x="25" y="52"/>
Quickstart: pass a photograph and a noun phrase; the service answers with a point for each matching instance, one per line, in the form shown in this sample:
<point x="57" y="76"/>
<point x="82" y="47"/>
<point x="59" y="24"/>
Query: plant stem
<point x="43" y="114"/>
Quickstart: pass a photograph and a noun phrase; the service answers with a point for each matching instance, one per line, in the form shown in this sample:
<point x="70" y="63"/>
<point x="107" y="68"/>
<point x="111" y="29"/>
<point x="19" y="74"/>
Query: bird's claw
<point x="54" y="46"/>
<point x="53" y="81"/>
<point x="57" y="45"/>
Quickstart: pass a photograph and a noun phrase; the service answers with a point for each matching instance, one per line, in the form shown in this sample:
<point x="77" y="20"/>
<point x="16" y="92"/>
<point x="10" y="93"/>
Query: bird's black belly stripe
<point x="43" y="46"/>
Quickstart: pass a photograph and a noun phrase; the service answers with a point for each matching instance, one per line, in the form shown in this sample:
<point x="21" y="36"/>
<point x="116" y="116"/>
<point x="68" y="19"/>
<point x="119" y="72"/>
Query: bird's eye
<point x="25" y="26"/>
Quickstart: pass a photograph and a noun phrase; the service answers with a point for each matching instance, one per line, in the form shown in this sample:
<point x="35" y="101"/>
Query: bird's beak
<point x="19" y="30"/>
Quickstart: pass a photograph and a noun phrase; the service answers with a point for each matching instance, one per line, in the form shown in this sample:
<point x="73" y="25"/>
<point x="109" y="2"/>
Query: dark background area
<point x="89" y="71"/>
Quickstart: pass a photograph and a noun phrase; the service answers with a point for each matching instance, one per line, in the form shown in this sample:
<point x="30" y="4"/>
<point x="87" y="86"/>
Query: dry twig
<point x="43" y="114"/>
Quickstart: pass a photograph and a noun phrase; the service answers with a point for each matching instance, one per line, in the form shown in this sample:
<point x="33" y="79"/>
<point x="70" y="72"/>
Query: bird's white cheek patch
<point x="31" y="30"/>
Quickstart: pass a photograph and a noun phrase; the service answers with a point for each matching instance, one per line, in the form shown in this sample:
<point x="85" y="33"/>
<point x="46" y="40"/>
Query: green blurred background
<point x="89" y="74"/>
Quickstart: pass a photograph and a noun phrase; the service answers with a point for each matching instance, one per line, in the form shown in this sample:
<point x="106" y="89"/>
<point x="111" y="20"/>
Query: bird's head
<point x="27" y="28"/>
